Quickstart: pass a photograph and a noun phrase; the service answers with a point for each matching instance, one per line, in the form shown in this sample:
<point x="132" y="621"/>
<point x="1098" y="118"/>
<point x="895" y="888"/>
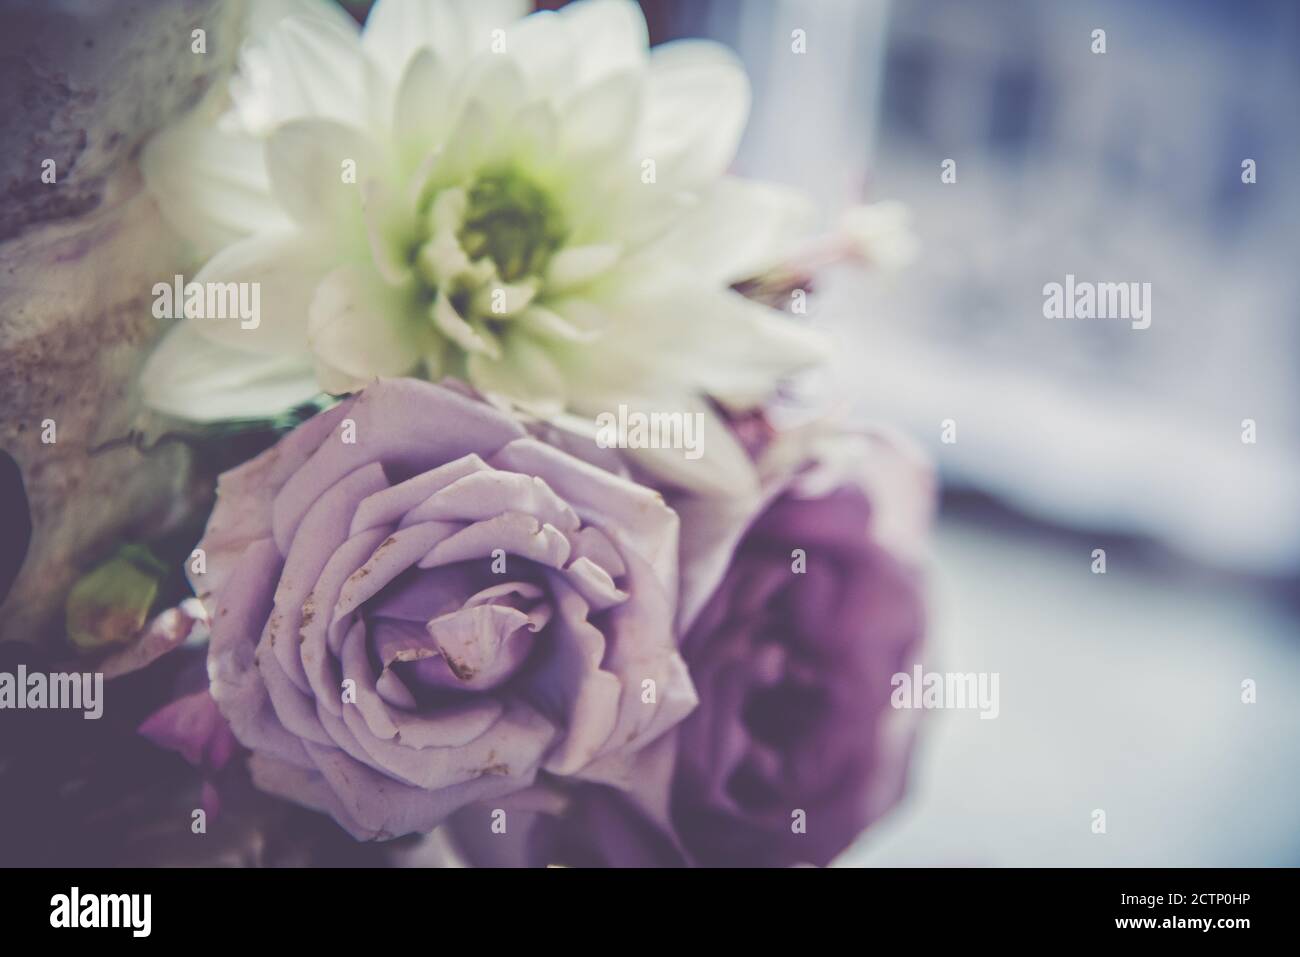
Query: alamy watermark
<point x="179" y="299"/>
<point x="79" y="691"/>
<point x="1098" y="300"/>
<point x="629" y="429"/>
<point x="946" y="690"/>
<point x="75" y="909"/>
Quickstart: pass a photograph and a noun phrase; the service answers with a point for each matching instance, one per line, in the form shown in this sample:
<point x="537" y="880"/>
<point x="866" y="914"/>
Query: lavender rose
<point x="796" y="619"/>
<point x="416" y="606"/>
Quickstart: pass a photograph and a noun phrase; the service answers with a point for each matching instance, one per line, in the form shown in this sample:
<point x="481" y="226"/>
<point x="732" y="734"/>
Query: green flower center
<point x="512" y="221"/>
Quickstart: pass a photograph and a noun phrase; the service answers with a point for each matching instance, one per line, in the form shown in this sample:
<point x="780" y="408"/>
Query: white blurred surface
<point x="1119" y="691"/>
<point x="1121" y="167"/>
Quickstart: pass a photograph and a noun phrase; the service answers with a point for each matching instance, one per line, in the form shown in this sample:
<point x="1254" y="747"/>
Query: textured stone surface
<point x="85" y="83"/>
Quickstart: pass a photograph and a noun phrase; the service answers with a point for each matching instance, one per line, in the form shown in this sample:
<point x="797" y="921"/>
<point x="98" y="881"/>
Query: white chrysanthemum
<point x="539" y="207"/>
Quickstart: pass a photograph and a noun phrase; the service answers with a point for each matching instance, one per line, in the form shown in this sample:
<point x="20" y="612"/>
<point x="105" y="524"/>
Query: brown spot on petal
<point x="461" y="670"/>
<point x="308" y="614"/>
<point x="501" y="769"/>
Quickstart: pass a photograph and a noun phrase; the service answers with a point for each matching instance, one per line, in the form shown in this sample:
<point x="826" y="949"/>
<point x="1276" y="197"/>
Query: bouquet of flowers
<point x="518" y="537"/>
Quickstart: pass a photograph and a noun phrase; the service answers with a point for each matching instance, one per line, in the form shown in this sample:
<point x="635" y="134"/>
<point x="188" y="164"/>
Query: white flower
<point x="539" y="207"/>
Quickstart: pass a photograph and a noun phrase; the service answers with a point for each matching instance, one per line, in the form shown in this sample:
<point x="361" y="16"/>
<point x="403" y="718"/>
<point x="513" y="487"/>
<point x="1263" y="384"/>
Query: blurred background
<point x="1119" y="691"/>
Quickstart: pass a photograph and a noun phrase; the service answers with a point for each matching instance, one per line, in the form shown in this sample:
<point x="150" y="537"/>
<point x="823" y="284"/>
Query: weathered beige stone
<point x="86" y="84"/>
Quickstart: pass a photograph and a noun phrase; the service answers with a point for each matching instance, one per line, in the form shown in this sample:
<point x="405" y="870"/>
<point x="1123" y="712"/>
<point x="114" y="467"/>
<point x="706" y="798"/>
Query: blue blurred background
<point x="1119" y="691"/>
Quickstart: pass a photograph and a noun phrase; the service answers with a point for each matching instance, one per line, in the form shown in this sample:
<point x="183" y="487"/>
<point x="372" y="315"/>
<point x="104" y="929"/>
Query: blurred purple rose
<point x="794" y="675"/>
<point x="415" y="605"/>
<point x="795" y="620"/>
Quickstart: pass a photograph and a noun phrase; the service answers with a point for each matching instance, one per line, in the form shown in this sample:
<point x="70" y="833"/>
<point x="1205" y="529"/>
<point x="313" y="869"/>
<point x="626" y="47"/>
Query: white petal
<point x="548" y="324"/>
<point x="453" y="29"/>
<point x="607" y="36"/>
<point x="442" y="260"/>
<point x="615" y="206"/>
<point x="578" y="265"/>
<point x="211" y="186"/>
<point x="502" y="298"/>
<point x="336" y="381"/>
<point x="363" y="328"/>
<point x="717" y="473"/>
<point x="591" y="318"/>
<point x="302" y="66"/>
<point x="483" y="17"/>
<point x="716" y="465"/>
<point x="602" y="116"/>
<point x="663" y="327"/>
<point x="391" y="229"/>
<point x="286" y="266"/>
<point x="533" y="133"/>
<point x="745" y="348"/>
<point x="305" y="159"/>
<point x="741" y="228"/>
<point x="470" y="338"/>
<point x="465" y="150"/>
<point x="192" y="377"/>
<point x="448" y="212"/>
<point x="420" y="115"/>
<point x="495" y="82"/>
<point x="397" y="29"/>
<point x="525" y="373"/>
<point x="542" y="47"/>
<point x="697" y="101"/>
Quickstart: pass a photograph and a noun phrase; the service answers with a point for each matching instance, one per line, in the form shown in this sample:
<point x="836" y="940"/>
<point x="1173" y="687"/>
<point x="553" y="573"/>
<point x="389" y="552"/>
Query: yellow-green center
<point x="511" y="221"/>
